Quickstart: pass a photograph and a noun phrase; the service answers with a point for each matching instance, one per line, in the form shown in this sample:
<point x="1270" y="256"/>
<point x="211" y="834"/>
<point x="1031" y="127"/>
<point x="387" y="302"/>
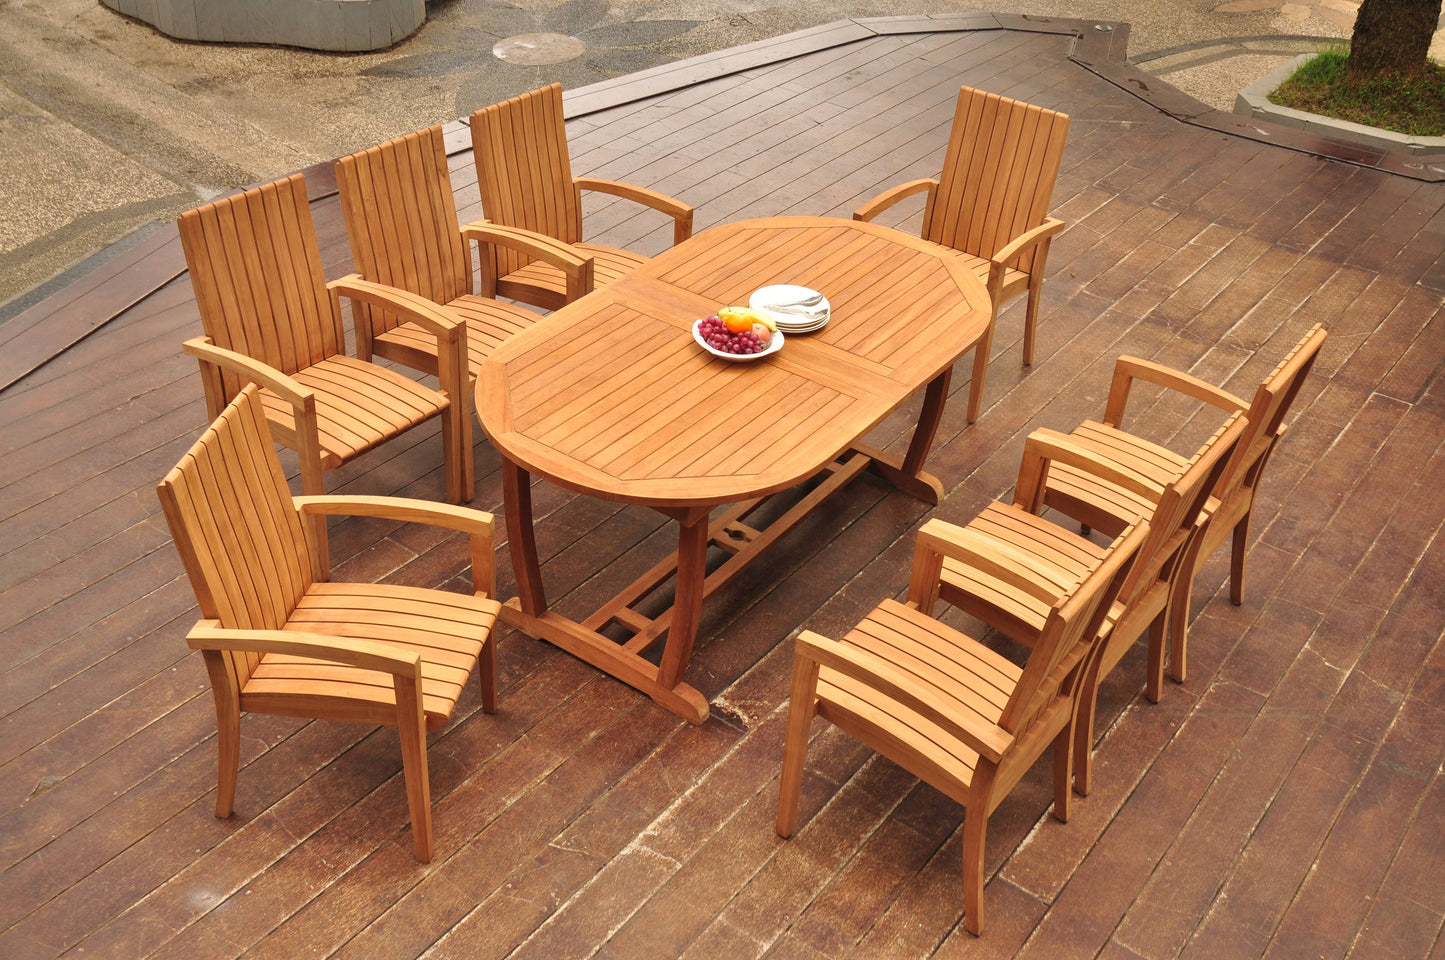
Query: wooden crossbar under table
<point x="611" y="397"/>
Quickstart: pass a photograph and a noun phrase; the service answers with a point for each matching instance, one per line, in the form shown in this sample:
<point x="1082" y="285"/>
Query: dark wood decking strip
<point x="1286" y="801"/>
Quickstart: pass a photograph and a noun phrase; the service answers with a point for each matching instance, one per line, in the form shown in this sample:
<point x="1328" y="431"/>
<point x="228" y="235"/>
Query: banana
<point x="740" y="314"/>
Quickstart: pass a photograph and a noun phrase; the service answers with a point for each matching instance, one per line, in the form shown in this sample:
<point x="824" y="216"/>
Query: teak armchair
<point x="1097" y="502"/>
<point x="271" y="318"/>
<point x="945" y="707"/>
<point x="525" y="176"/>
<point x="401" y="219"/>
<point x="1056" y="556"/>
<point x="277" y="640"/>
<point x="989" y="204"/>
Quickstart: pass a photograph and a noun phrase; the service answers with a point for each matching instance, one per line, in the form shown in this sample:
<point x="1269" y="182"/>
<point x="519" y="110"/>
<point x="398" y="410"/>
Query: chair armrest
<point x="577" y="268"/>
<point x="1011" y="251"/>
<point x="431" y="317"/>
<point x="365" y="654"/>
<point x="681" y="213"/>
<point x="1128" y="369"/>
<point x="939" y="540"/>
<point x="888" y="198"/>
<point x="463" y="519"/>
<point x="1029" y="238"/>
<point x="288" y="389"/>
<point x="1044" y="447"/>
<point x="478" y="524"/>
<point x="561" y="255"/>
<point x="989" y="739"/>
<point x="950" y="540"/>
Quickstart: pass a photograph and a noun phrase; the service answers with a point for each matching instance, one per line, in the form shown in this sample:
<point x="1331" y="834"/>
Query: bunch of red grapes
<point x="716" y="335"/>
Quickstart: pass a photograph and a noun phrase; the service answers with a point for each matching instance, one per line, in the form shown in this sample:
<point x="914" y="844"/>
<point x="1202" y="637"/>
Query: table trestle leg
<point x="619" y="608"/>
<point x="683" y="700"/>
<point x="906" y="473"/>
<point x="743" y="542"/>
<point x="744" y="548"/>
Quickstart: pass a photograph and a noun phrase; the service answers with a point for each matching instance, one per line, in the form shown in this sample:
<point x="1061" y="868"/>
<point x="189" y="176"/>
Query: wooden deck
<point x="1287" y="801"/>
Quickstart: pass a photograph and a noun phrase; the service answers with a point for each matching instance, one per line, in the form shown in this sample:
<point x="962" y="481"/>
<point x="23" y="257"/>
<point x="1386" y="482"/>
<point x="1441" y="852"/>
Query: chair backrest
<point x="1178" y="508"/>
<point x="998" y="174"/>
<point x="239" y="535"/>
<point x="401" y="219"/>
<point x="1266" y="414"/>
<point x="256" y="269"/>
<point x="1071" y="627"/>
<point x="523" y="170"/>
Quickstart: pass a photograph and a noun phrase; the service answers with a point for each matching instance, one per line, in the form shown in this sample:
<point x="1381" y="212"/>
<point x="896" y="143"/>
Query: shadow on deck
<point x="1286" y="801"/>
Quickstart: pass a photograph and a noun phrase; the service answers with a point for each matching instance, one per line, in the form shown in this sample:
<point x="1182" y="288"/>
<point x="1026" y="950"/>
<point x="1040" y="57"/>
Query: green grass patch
<point x="1404" y="104"/>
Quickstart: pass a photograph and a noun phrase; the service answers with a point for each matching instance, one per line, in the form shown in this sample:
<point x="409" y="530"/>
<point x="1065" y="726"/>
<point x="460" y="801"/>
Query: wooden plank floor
<point x="1287" y="801"/>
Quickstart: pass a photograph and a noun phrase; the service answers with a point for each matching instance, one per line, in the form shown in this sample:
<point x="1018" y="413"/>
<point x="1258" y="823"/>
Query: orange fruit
<point x="737" y="322"/>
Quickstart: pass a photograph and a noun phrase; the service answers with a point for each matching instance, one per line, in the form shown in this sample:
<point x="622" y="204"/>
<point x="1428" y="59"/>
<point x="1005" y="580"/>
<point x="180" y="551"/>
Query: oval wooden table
<point x="610" y="396"/>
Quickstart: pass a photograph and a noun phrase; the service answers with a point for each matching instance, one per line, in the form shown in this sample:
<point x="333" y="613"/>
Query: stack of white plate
<point x="794" y="309"/>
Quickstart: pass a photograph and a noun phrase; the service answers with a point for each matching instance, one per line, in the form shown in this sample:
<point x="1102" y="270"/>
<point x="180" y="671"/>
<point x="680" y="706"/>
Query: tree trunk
<point x="1392" y="36"/>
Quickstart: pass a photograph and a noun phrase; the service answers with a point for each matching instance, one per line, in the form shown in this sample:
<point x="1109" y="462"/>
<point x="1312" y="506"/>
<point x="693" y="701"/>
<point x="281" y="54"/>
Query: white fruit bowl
<point x="773" y="347"/>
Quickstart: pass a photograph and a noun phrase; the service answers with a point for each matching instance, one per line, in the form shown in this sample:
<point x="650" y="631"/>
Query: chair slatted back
<point x="1266" y="414"/>
<point x="240" y="537"/>
<point x="998" y="174"/>
<point x="1071" y="627"/>
<point x="523" y="169"/>
<point x="256" y="269"/>
<point x="1179" y="506"/>
<point x="401" y="219"/>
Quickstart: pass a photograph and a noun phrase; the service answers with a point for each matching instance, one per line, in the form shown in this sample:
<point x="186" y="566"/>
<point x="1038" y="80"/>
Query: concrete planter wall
<point x="1253" y="101"/>
<point x="350" y="25"/>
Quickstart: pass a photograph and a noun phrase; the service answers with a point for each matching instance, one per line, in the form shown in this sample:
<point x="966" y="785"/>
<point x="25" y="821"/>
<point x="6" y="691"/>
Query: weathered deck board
<point x="1286" y="801"/>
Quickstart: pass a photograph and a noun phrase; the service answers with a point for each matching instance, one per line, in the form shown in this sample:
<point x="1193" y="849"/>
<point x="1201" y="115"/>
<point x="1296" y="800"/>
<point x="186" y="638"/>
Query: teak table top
<point x="611" y="396"/>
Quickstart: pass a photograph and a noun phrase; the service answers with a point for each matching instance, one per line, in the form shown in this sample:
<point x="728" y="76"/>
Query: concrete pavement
<point x="107" y="127"/>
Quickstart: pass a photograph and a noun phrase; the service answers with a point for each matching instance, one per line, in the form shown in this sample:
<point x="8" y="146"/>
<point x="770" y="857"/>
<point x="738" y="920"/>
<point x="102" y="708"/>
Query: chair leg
<point x="411" y="725"/>
<point x="457" y="424"/>
<point x="487" y="673"/>
<point x="1178" y="611"/>
<point x="308" y="452"/>
<point x="213" y="383"/>
<point x="981" y="351"/>
<point x="801" y="705"/>
<point x="1084" y="729"/>
<point x="1179" y="628"/>
<point x="228" y="730"/>
<point x="1031" y="315"/>
<point x="924" y="580"/>
<point x="1158" y="630"/>
<point x="457" y="459"/>
<point x="228" y="762"/>
<point x="1236" y="560"/>
<point x="1063" y="772"/>
<point x="975" y="833"/>
<point x="466" y="451"/>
